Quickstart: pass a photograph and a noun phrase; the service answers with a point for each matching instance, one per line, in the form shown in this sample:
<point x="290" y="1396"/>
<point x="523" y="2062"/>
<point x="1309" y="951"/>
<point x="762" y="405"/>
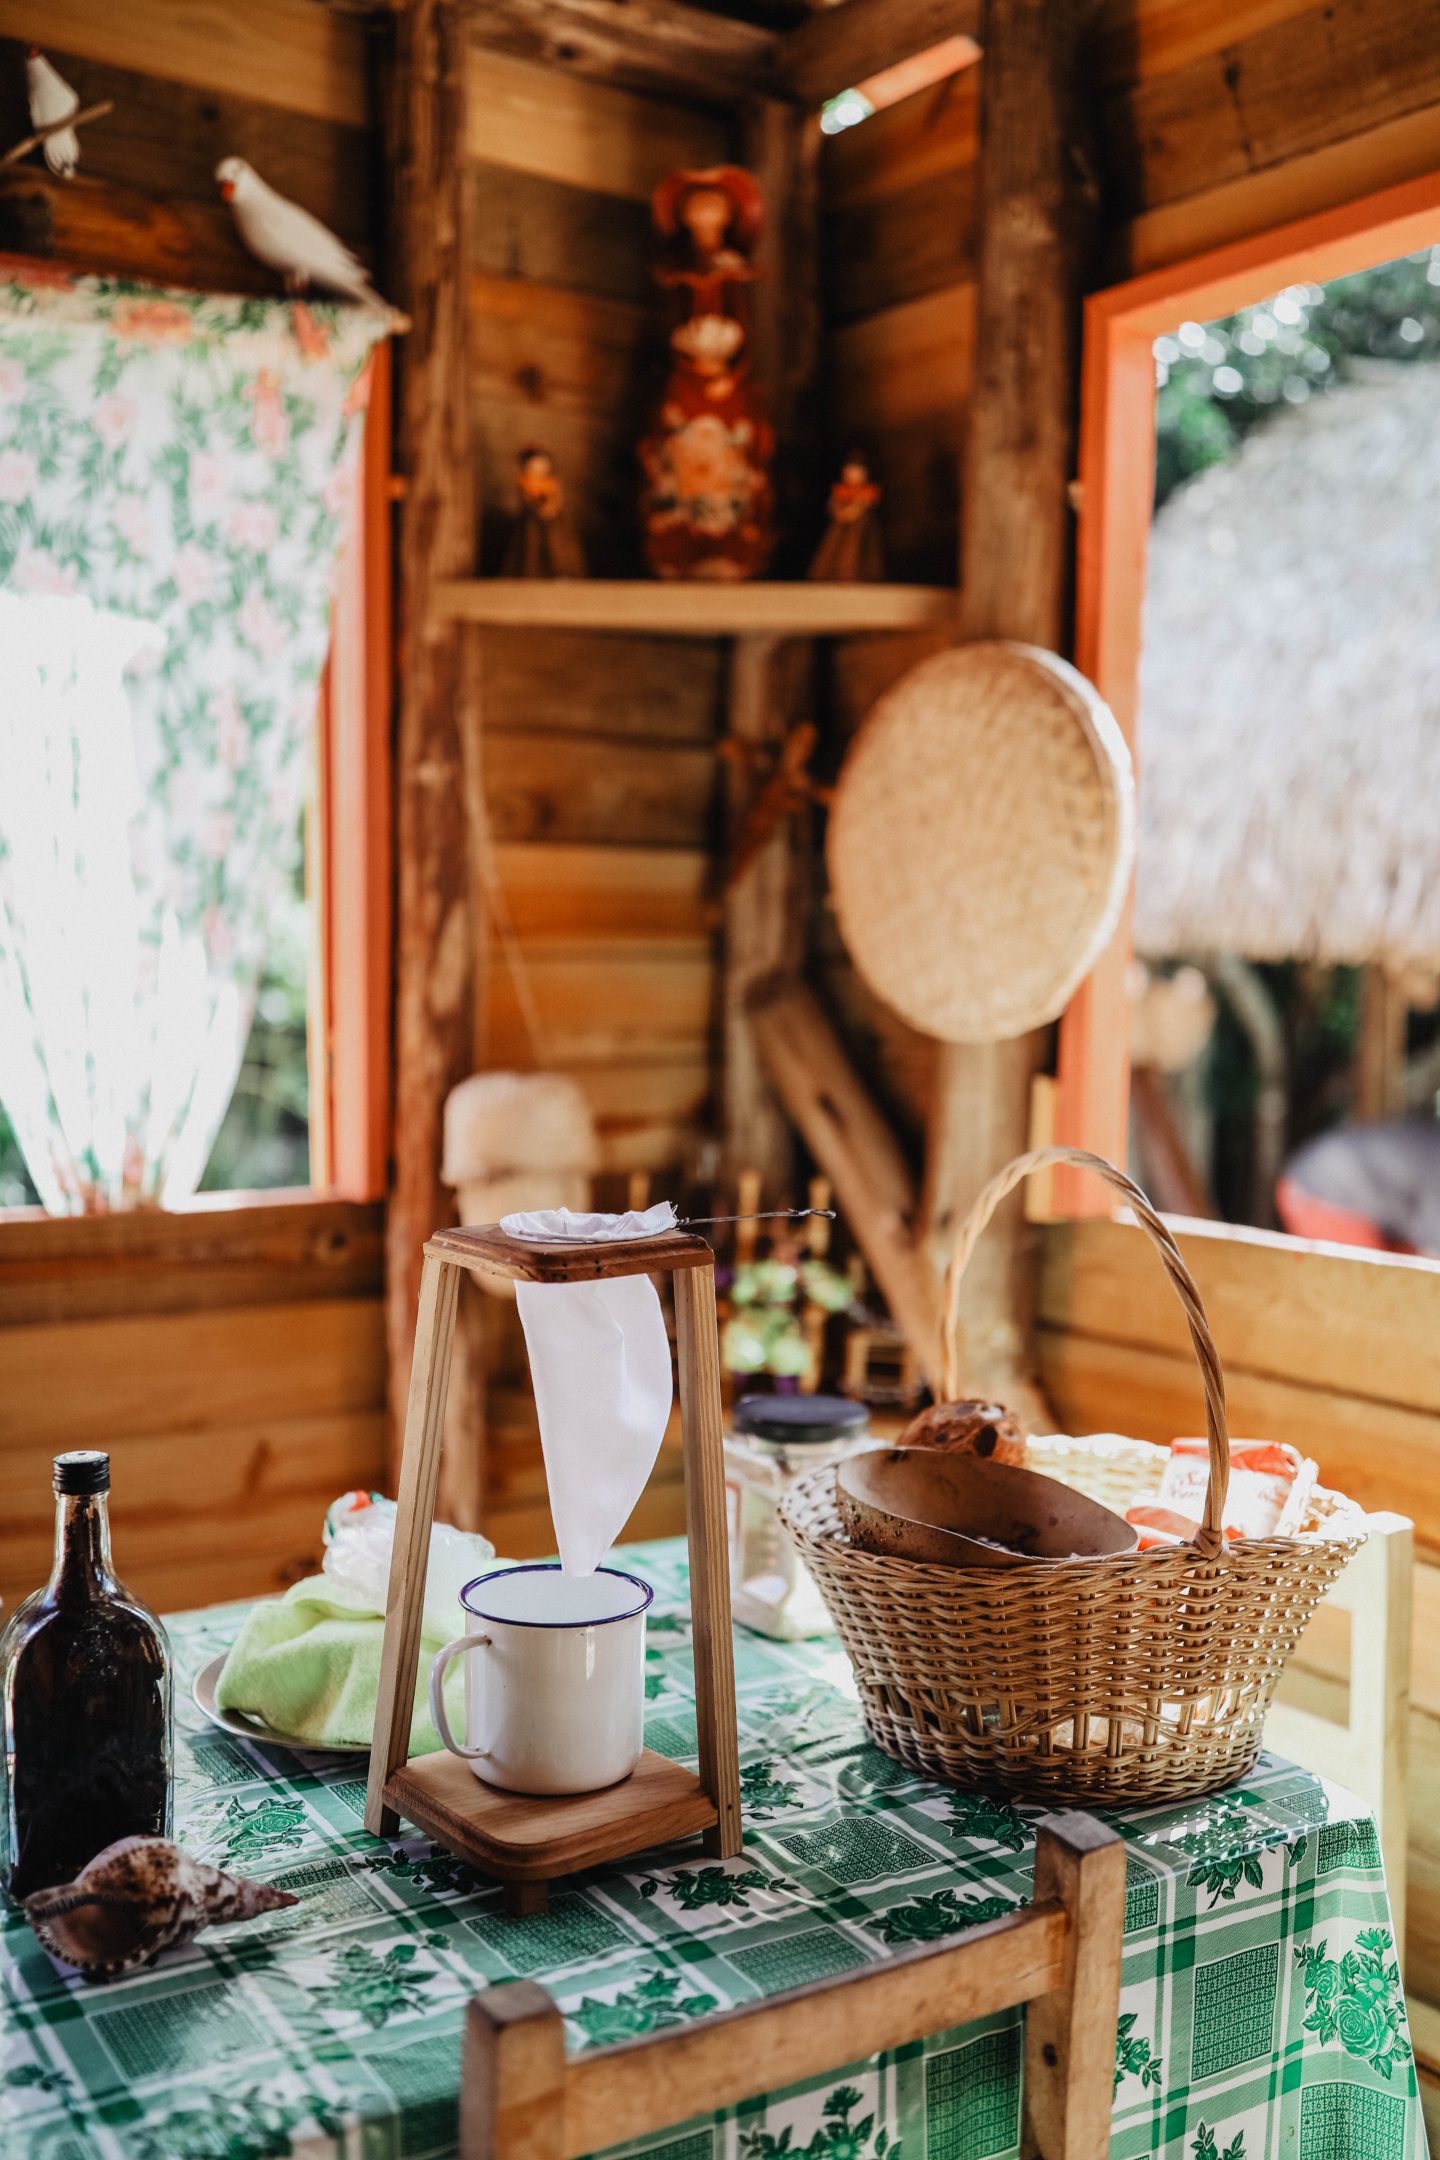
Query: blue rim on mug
<point x="552" y="1567"/>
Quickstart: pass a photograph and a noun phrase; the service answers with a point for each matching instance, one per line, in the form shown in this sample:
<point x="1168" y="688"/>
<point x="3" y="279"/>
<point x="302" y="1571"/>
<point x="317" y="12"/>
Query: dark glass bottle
<point x="86" y="1694"/>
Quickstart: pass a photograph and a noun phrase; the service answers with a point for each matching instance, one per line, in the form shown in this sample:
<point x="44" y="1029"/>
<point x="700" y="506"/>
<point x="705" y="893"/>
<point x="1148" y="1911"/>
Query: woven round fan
<point x="980" y="841"/>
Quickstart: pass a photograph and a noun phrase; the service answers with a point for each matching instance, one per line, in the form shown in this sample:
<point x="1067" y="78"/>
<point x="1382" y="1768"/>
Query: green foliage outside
<point x="764" y="1333"/>
<point x="1218" y="380"/>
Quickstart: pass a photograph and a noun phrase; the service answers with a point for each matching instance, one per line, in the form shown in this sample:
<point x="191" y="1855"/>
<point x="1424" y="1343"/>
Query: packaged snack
<point x="1270" y="1487"/>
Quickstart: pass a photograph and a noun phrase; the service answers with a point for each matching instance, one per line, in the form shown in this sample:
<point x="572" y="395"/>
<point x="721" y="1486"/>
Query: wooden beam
<point x="1036" y="205"/>
<point x="1380" y="1052"/>
<point x="764" y="929"/>
<point x="111" y="230"/>
<point x="839" y="47"/>
<point x="854" y="1147"/>
<point x="771" y="683"/>
<point x="435" y="931"/>
<point x="658" y="46"/>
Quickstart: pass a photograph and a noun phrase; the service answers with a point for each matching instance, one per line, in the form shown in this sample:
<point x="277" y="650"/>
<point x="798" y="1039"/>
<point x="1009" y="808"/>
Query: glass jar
<point x="775" y="1439"/>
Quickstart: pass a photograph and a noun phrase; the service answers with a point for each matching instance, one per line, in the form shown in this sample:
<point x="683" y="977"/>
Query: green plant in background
<point x="1217" y="380"/>
<point x="763" y="1333"/>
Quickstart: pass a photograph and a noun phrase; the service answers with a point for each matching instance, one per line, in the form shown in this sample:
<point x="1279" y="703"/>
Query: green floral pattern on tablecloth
<point x="1265" y="2024"/>
<point x="176" y="471"/>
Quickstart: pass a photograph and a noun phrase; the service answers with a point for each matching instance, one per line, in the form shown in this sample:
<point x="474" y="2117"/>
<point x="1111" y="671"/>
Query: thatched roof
<point x="1290" y="689"/>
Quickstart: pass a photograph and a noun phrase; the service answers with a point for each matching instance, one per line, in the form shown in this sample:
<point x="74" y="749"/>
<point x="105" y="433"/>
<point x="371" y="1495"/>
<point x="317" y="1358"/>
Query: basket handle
<point x="1210" y="1537"/>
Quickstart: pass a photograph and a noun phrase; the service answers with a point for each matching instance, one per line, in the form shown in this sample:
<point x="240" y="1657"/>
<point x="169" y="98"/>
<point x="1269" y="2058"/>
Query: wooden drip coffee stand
<point x="526" y="1841"/>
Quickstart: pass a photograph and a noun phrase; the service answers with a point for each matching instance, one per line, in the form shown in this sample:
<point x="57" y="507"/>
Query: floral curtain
<point x="175" y="475"/>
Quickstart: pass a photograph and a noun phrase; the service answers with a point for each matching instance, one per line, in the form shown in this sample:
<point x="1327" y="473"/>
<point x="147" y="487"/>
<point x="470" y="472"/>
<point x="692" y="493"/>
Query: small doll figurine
<point x="850" y="553"/>
<point x="706" y="497"/>
<point x="543" y="542"/>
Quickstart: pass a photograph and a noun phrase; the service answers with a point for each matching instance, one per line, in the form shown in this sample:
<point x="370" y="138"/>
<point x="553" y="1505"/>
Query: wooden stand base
<point x="526" y="1841"/>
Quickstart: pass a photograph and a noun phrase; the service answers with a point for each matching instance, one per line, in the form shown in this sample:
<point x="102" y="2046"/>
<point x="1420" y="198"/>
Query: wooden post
<point x="512" y="2087"/>
<point x="856" y="1149"/>
<point x="410" y="1551"/>
<point x="698" y="1359"/>
<point x="1380" y="1053"/>
<point x="1035" y="221"/>
<point x="435" y="929"/>
<point x="771" y="683"/>
<point x="1070" y="2034"/>
<point x="763" y="932"/>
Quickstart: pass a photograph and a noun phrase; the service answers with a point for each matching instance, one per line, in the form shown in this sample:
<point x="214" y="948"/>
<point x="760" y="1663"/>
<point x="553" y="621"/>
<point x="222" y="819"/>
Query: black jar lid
<point x="800" y="1420"/>
<point x="85" y="1470"/>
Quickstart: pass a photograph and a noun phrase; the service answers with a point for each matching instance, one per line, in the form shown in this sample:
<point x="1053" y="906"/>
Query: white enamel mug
<point x="555" y="1702"/>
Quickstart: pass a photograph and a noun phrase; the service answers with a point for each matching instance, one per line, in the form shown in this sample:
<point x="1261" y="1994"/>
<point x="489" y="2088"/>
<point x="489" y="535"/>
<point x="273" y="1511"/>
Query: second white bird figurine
<point x="51" y="99"/>
<point x="280" y="234"/>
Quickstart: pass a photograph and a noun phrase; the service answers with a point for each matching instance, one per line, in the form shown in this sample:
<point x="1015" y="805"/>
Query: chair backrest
<point x="521" y="2100"/>
<point x="1369" y="1751"/>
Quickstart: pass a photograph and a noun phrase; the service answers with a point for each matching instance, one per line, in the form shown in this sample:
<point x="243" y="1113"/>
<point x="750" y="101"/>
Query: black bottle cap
<point x="83" y="1471"/>
<point x="800" y="1418"/>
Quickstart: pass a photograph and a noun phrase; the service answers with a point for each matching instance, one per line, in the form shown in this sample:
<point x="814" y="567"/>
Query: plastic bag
<point x="359" y="1534"/>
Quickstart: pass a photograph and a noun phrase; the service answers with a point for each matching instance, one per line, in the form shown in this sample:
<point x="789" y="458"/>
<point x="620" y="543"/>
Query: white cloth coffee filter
<point x="600" y="1366"/>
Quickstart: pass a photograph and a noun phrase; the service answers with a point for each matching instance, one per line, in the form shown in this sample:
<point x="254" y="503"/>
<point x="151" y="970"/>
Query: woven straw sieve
<point x="980" y="841"/>
<point x="1138" y="1677"/>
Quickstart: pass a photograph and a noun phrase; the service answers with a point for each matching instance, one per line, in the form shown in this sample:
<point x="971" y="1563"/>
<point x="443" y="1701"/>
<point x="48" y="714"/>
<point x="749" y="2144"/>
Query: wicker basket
<point x="1138" y="1677"/>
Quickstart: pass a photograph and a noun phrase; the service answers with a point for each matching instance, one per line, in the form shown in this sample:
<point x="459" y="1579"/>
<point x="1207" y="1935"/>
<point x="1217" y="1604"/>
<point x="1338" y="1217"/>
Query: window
<point x="176" y="476"/>
<point x="1117" y="480"/>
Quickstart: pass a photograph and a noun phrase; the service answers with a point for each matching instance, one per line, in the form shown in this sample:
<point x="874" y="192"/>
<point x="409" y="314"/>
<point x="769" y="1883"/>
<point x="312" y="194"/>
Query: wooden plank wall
<point x="1223" y="120"/>
<point x="899" y="291"/>
<point x="601" y="780"/>
<point x="231" y="1361"/>
<point x="600" y="772"/>
<point x="280" y="82"/>
<point x="1338" y="1354"/>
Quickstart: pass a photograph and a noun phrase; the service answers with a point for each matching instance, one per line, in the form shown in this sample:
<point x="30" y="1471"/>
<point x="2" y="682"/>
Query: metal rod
<point x="774" y="1214"/>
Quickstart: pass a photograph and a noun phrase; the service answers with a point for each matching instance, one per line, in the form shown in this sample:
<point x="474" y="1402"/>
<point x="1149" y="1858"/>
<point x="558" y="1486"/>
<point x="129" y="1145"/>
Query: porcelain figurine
<point x="850" y="553"/>
<point x="543" y="541"/>
<point x="707" y="502"/>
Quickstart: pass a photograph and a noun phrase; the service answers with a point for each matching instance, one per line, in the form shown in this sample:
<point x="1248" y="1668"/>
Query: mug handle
<point x="440" y="1665"/>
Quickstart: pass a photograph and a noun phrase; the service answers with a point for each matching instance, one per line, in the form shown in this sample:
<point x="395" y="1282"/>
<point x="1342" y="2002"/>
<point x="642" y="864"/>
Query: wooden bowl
<point x="964" y="1511"/>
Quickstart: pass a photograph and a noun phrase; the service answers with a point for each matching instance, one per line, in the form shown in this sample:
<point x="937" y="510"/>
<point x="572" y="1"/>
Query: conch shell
<point x="137" y="1898"/>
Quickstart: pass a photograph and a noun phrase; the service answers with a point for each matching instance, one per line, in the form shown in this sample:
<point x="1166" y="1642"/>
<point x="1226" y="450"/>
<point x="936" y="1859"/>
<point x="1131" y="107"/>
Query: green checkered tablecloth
<point x="1261" y="2018"/>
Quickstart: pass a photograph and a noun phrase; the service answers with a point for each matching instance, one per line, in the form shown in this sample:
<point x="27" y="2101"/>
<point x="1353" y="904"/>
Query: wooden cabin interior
<point x="532" y="792"/>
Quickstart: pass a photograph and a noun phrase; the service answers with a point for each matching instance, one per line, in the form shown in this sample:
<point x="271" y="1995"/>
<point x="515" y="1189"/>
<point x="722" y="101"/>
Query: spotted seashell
<point x="137" y="1898"/>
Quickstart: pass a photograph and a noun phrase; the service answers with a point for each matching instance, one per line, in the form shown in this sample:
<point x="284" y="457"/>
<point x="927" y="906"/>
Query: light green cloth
<point x="308" y="1663"/>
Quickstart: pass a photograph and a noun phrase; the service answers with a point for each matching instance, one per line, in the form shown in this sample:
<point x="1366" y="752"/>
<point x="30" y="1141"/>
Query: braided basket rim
<point x="818" y="1487"/>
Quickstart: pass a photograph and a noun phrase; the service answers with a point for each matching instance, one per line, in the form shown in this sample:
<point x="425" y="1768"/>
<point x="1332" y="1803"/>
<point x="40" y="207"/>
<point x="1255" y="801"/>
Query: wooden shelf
<point x="695" y="609"/>
<point x="525" y="1840"/>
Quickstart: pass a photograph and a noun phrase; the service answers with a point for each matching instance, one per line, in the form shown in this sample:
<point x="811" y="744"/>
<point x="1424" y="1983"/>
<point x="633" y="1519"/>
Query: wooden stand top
<point x="492" y="1251"/>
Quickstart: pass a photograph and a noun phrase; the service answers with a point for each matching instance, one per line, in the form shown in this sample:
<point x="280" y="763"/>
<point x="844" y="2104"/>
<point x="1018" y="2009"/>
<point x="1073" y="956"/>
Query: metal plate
<point x="253" y="1728"/>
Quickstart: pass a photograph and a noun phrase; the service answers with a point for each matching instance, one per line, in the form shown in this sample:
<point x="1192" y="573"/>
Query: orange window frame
<point x="1116" y="489"/>
<point x="351" y="870"/>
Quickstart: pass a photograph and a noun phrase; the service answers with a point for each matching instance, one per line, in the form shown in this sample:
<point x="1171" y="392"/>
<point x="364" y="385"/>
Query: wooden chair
<point x="521" y="2100"/>
<point x="1368" y="1749"/>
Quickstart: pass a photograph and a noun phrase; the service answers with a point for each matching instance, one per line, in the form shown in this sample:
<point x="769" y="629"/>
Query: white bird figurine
<point x="52" y="99"/>
<point x="280" y="234"/>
